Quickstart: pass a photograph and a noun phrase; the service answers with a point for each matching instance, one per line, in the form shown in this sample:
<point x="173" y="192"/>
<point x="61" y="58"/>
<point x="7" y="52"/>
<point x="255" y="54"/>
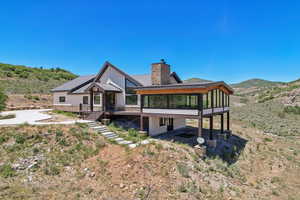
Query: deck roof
<point x="201" y="87"/>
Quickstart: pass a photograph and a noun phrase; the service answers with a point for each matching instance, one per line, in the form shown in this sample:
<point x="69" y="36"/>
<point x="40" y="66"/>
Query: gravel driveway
<point x="32" y="117"/>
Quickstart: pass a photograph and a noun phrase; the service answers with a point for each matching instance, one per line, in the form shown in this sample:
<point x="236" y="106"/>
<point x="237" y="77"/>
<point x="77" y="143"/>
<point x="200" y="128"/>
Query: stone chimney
<point x="160" y="73"/>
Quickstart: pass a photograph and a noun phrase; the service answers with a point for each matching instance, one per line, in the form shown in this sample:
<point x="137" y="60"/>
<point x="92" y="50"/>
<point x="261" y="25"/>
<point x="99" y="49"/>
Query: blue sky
<point x="216" y="40"/>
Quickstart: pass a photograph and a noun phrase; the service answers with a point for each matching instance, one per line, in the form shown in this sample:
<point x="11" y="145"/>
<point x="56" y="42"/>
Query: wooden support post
<point x="211" y="127"/>
<point x="222" y="123"/>
<point x="141" y="123"/>
<point x="91" y="100"/>
<point x="200" y="126"/>
<point x="228" y="121"/>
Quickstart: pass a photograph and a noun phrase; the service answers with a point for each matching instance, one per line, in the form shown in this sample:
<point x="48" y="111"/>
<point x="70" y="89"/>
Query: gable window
<point x="62" y="99"/>
<point x="85" y="100"/>
<point x="131" y="97"/>
<point x="97" y="99"/>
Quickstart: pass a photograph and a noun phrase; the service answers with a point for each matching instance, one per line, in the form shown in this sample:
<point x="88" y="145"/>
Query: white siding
<point x="156" y="129"/>
<point x="71" y="99"/>
<point x="112" y="76"/>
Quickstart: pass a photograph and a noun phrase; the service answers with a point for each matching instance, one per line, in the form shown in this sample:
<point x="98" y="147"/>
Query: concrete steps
<point x="103" y="130"/>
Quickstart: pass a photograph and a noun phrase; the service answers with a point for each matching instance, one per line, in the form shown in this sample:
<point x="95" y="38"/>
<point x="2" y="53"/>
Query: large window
<point x="85" y="100"/>
<point x="97" y="99"/>
<point x="178" y="101"/>
<point x="209" y="99"/>
<point x="205" y="101"/>
<point x="215" y="98"/>
<point x="131" y="98"/>
<point x="62" y="99"/>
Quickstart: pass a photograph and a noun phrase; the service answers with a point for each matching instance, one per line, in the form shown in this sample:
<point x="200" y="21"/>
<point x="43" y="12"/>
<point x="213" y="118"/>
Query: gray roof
<point x="81" y="83"/>
<point x="82" y="89"/>
<point x="144" y="79"/>
<point x="73" y="83"/>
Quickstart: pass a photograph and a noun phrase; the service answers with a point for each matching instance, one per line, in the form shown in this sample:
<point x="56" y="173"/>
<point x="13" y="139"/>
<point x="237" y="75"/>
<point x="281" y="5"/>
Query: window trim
<point x="94" y="100"/>
<point x="130" y="94"/>
<point x="83" y="102"/>
<point x="60" y="99"/>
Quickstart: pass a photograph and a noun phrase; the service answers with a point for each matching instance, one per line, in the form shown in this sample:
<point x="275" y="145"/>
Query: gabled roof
<point x="108" y="64"/>
<point x="81" y="83"/>
<point x="81" y="80"/>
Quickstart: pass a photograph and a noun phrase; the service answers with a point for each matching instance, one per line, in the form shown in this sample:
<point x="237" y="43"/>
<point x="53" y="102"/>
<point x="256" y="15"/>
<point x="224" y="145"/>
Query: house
<point x="160" y="99"/>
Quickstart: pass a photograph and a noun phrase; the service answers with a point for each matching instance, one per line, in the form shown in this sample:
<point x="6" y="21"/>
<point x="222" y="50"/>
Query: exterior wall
<point x="112" y="76"/>
<point x="72" y="101"/>
<point x="156" y="129"/>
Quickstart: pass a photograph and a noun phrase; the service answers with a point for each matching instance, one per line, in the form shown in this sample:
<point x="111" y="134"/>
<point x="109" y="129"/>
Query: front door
<point x="110" y="100"/>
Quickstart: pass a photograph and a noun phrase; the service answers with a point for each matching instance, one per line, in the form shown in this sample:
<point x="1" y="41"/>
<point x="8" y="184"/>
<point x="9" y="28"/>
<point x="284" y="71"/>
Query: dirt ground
<point x="32" y="101"/>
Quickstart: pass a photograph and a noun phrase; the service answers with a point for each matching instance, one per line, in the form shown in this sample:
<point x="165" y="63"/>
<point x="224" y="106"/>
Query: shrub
<point x="244" y="100"/>
<point x="7" y="171"/>
<point x="52" y="170"/>
<point x="20" y="139"/>
<point x="183" y="170"/>
<point x="292" y="110"/>
<point x="10" y="116"/>
<point x="3" y="99"/>
<point x="268" y="140"/>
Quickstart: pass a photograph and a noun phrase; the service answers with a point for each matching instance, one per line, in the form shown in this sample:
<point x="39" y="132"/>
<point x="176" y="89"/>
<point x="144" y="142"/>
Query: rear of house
<point x="160" y="100"/>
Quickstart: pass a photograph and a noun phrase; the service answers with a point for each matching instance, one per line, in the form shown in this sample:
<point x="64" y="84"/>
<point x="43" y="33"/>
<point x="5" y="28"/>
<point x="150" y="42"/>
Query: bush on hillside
<point x="292" y="109"/>
<point x="3" y="99"/>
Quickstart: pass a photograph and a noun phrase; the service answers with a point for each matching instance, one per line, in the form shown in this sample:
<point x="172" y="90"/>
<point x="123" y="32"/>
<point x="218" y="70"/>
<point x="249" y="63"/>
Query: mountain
<point x="256" y="83"/>
<point x="19" y="79"/>
<point x="193" y="80"/>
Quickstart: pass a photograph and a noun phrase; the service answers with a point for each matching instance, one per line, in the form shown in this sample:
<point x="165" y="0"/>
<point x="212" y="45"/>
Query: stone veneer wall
<point x="160" y="74"/>
<point x="67" y="108"/>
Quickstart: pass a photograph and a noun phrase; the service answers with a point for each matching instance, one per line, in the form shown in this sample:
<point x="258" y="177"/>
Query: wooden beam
<point x="183" y="90"/>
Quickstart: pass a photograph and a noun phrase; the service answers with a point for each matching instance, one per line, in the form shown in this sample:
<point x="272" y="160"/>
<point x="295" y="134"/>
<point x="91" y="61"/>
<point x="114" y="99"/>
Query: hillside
<point x="18" y="79"/>
<point x="256" y="83"/>
<point x="193" y="80"/>
<point x="73" y="162"/>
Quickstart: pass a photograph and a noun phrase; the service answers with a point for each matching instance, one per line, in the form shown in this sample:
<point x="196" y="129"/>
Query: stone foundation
<point x="67" y="108"/>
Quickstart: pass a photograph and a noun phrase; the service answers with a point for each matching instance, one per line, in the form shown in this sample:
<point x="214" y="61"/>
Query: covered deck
<point x="188" y="101"/>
